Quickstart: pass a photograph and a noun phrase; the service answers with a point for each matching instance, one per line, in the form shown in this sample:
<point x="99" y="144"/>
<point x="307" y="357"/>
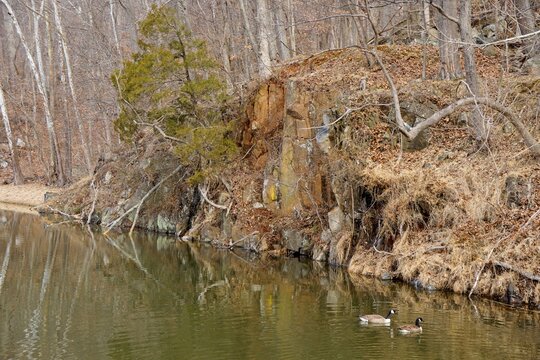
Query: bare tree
<point x="264" y="39"/>
<point x="80" y="126"/>
<point x="18" y="177"/>
<point x="57" y="168"/>
<point x="448" y="37"/>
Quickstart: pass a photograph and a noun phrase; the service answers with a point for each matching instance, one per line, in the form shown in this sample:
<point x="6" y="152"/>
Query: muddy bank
<point x="324" y="173"/>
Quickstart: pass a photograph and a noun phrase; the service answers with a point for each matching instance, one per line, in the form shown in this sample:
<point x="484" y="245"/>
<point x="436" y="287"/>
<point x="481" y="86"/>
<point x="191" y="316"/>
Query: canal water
<point x="69" y="293"/>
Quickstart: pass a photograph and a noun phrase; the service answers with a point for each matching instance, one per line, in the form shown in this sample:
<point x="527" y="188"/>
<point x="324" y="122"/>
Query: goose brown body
<point x="411" y="329"/>
<point x="376" y="318"/>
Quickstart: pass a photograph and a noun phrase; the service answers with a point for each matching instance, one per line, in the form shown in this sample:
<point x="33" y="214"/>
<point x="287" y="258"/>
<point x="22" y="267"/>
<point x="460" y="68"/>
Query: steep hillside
<point x="324" y="172"/>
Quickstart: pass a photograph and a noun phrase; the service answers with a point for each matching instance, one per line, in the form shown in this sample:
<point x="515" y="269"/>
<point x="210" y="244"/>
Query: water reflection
<point x="66" y="292"/>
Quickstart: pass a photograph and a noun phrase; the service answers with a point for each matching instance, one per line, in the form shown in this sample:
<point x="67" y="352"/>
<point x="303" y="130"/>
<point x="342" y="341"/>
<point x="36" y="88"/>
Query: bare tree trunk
<point x="18" y="177"/>
<point x="225" y="42"/>
<point x="471" y="74"/>
<point x="526" y="22"/>
<point x="292" y="27"/>
<point x="281" y="23"/>
<point x="115" y="31"/>
<point x="247" y="25"/>
<point x="425" y="35"/>
<point x="264" y="45"/>
<point x="55" y="151"/>
<point x="448" y="35"/>
<point x="80" y="126"/>
<point x="7" y="46"/>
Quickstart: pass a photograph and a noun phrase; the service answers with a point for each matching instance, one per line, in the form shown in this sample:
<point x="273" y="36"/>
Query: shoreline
<point x="26" y="195"/>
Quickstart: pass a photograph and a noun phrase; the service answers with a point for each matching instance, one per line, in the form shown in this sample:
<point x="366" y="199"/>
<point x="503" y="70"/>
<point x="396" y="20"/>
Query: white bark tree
<point x="265" y="69"/>
<point x="57" y="167"/>
<point x="69" y="72"/>
<point x="18" y="177"/>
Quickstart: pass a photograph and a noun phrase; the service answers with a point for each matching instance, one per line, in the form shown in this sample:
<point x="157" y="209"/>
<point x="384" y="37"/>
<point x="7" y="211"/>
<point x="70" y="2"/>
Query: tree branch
<point x="139" y="204"/>
<point x="444" y="13"/>
<point x="413" y="132"/>
<point x="521" y="272"/>
<point x="203" y="193"/>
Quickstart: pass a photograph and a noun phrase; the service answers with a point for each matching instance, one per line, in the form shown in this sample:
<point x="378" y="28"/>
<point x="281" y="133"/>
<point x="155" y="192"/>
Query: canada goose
<point x="411" y="329"/>
<point x="377" y="319"/>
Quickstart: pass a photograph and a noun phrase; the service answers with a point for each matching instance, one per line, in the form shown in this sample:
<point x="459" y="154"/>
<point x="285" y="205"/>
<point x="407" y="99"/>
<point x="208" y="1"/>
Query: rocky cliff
<point x="324" y="173"/>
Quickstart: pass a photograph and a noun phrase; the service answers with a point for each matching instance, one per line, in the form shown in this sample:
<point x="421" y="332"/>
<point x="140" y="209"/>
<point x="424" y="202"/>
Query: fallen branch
<point x="486" y="260"/>
<point x="59" y="212"/>
<point x="148" y="194"/>
<point x="204" y="193"/>
<point x="521" y="272"/>
<point x="138" y="205"/>
<point x="93" y="203"/>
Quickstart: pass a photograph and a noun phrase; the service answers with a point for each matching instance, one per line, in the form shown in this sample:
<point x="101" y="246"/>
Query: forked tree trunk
<point x="58" y="171"/>
<point x="18" y="177"/>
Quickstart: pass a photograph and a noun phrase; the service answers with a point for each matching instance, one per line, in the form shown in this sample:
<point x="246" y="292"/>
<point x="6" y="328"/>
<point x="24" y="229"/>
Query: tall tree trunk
<point x="114" y="29"/>
<point x="448" y="34"/>
<point x="526" y="22"/>
<point x="18" y="177"/>
<point x="471" y="74"/>
<point x="292" y="27"/>
<point x="264" y="44"/>
<point x="425" y="35"/>
<point x="58" y="171"/>
<point x="8" y="47"/>
<point x="80" y="125"/>
<point x="281" y="23"/>
<point x="247" y="25"/>
<point x="226" y="42"/>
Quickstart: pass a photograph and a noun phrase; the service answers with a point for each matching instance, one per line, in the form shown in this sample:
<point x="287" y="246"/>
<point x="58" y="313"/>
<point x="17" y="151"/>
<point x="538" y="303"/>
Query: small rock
<point x="258" y="205"/>
<point x="320" y="253"/>
<point x="336" y="219"/>
<point x="108" y="177"/>
<point x="3" y="164"/>
<point x="386" y="276"/>
<point x="20" y="143"/>
<point x="48" y="195"/>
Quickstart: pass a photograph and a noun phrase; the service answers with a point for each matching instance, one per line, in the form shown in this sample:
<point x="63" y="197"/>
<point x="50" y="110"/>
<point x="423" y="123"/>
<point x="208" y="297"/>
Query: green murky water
<point x="66" y="293"/>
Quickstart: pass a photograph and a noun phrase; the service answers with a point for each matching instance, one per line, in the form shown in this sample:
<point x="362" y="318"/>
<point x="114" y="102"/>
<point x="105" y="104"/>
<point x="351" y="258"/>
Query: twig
<point x="203" y="193"/>
<point x="56" y="211"/>
<point x="139" y="205"/>
<point x="247" y="153"/>
<point x="93" y="203"/>
<point x="521" y="272"/>
<point x="381" y="251"/>
<point x="347" y="112"/>
<point x="232" y="244"/>
<point x="486" y="260"/>
<point x="533" y="216"/>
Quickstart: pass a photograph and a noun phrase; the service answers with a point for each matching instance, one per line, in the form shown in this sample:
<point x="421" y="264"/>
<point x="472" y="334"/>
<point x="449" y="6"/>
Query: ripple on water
<point x="98" y="303"/>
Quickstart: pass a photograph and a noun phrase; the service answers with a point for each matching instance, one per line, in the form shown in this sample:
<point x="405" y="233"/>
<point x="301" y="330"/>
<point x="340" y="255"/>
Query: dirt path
<point x="28" y="194"/>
